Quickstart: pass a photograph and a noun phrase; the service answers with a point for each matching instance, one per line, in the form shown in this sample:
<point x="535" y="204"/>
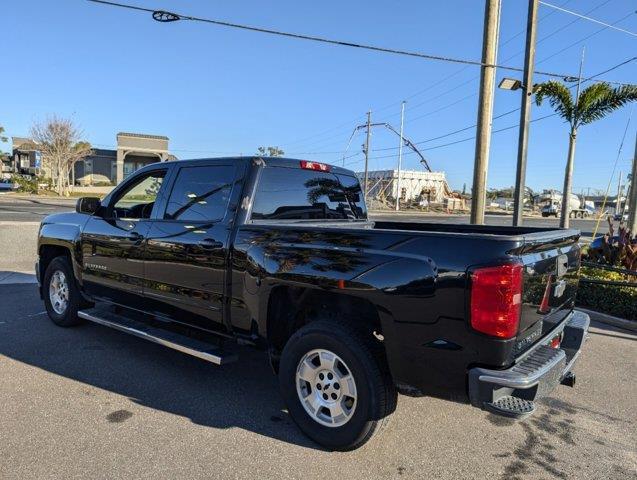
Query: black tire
<point x="68" y="317"/>
<point x="376" y="395"/>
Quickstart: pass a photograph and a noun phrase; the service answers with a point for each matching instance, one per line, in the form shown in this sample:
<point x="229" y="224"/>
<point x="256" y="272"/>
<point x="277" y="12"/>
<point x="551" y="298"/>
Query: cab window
<point x="137" y="200"/>
<point x="201" y="194"/>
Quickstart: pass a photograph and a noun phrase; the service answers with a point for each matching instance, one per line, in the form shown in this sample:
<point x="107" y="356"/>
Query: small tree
<point x="60" y="146"/>
<point x="3" y="139"/>
<point x="270" y="152"/>
<point x="593" y="103"/>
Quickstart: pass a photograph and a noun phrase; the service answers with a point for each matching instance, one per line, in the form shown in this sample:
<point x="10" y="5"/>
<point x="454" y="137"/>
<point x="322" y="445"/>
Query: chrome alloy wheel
<point x="326" y="388"/>
<point x="59" y="292"/>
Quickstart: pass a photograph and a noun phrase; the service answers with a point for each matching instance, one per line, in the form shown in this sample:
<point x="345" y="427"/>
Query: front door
<point x="187" y="246"/>
<point x="113" y="241"/>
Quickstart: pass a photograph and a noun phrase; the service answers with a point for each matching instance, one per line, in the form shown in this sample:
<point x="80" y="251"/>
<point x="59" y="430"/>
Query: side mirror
<point x="88" y="205"/>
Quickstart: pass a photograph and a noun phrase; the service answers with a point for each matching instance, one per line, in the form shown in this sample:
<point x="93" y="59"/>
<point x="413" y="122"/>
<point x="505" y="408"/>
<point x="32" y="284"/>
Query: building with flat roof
<point x="104" y="166"/>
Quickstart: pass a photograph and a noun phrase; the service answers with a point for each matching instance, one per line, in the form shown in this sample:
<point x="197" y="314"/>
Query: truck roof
<point x="272" y="161"/>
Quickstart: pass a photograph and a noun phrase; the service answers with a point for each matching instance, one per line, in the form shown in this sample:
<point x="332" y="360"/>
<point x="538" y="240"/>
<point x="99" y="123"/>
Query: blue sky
<point x="217" y="91"/>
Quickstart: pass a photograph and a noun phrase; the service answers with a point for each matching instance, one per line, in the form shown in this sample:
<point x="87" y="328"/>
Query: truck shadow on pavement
<point x="240" y="395"/>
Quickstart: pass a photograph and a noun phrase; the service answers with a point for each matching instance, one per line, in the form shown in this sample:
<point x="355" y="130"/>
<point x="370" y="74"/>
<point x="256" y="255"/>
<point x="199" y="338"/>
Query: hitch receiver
<point x="569" y="379"/>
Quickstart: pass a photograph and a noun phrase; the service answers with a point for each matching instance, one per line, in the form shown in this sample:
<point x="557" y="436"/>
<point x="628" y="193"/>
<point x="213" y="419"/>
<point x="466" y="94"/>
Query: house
<point x="104" y="166"/>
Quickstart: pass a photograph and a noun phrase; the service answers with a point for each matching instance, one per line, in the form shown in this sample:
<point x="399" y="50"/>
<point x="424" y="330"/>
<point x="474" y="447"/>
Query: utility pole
<point x="632" y="201"/>
<point x="369" y="121"/>
<point x="618" y="202"/>
<point x="400" y="153"/>
<point x="485" y="110"/>
<point x="525" y="112"/>
<point x="568" y="174"/>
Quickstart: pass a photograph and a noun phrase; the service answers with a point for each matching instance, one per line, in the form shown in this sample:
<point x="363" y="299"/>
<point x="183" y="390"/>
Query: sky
<point x="216" y="91"/>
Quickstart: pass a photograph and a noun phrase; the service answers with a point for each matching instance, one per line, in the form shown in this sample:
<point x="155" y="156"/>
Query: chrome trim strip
<point x="209" y="357"/>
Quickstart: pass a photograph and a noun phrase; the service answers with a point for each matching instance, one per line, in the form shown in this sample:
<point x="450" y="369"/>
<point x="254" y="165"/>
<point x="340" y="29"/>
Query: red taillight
<point x="496" y="297"/>
<point x="321" y="167"/>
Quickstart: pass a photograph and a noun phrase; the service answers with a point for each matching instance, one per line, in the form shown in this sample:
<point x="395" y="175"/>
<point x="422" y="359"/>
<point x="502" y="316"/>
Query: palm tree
<point x="593" y="103"/>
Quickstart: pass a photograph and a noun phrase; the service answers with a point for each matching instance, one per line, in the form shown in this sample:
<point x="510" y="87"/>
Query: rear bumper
<point x="536" y="374"/>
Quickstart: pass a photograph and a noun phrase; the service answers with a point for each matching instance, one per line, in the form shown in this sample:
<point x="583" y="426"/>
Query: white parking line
<point x="13" y="223"/>
<point x="7" y="278"/>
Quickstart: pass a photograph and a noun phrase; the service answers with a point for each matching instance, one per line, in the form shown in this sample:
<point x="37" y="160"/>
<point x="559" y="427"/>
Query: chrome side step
<point x="105" y="316"/>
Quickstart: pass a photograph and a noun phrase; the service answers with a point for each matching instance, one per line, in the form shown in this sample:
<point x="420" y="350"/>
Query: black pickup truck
<point x="200" y="255"/>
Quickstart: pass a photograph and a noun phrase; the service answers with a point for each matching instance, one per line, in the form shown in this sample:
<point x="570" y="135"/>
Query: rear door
<point x="188" y="244"/>
<point x="549" y="284"/>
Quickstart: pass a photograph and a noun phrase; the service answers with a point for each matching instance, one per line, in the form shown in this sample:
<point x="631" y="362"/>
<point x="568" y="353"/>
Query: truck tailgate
<point x="551" y="262"/>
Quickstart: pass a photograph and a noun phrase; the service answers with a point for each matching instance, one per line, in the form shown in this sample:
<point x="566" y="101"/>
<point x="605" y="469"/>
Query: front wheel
<point x="336" y="385"/>
<point x="60" y="292"/>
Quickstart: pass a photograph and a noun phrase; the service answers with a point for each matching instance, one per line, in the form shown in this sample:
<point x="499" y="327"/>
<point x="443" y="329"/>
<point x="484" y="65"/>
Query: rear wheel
<point x="60" y="292"/>
<point x="336" y="385"/>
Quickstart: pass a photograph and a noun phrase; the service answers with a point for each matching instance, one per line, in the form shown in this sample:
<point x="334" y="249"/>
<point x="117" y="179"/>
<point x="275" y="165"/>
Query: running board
<point x="107" y="317"/>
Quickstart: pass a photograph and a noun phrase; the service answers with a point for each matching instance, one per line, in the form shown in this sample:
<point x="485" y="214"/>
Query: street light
<point x="510" y="84"/>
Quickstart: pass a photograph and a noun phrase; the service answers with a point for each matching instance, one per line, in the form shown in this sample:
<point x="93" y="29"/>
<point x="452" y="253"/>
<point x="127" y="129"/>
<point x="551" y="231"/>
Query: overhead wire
<point x="171" y="16"/>
<point x="590" y="19"/>
<point x="584" y="80"/>
<point x="466" y="97"/>
<point x="619" y="152"/>
<point x="342" y="43"/>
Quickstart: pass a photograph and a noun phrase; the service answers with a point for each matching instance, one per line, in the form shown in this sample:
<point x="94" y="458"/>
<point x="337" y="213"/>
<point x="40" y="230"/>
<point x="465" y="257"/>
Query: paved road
<point x="31" y="209"/>
<point x="93" y="402"/>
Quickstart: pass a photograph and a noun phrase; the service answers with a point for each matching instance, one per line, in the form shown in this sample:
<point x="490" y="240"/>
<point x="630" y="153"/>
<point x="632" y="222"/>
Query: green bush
<point x="26" y="185"/>
<point x="611" y="299"/>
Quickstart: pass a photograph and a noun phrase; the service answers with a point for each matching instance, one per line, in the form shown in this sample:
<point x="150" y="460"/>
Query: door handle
<point x="210" y="244"/>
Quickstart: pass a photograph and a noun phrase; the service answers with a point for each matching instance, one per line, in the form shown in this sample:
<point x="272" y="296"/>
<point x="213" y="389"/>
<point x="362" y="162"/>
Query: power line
<point x="513" y="56"/>
<point x="506" y="42"/>
<point x="438" y="137"/>
<point x="165" y="16"/>
<point x="546" y="37"/>
<point x="587" y="79"/>
<point x="435" y="147"/>
<point x="589" y="18"/>
<point x="554" y="32"/>
<point x="586" y="38"/>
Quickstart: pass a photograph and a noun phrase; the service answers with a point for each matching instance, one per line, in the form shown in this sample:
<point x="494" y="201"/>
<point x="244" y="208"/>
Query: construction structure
<point x="417" y="188"/>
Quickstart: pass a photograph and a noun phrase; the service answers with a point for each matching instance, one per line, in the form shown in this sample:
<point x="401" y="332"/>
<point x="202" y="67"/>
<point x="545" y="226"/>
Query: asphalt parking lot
<point x="92" y="402"/>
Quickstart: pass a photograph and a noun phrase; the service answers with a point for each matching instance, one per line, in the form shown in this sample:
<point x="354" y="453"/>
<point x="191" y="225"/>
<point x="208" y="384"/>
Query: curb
<point x="610" y="320"/>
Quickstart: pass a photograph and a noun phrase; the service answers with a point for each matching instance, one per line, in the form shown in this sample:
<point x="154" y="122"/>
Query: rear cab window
<point x="285" y="193"/>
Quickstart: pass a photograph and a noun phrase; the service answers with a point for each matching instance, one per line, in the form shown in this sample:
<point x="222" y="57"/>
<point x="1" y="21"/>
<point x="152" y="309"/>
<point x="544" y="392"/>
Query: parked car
<point x="6" y="185"/>
<point x="621" y="217"/>
<point x="280" y="254"/>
